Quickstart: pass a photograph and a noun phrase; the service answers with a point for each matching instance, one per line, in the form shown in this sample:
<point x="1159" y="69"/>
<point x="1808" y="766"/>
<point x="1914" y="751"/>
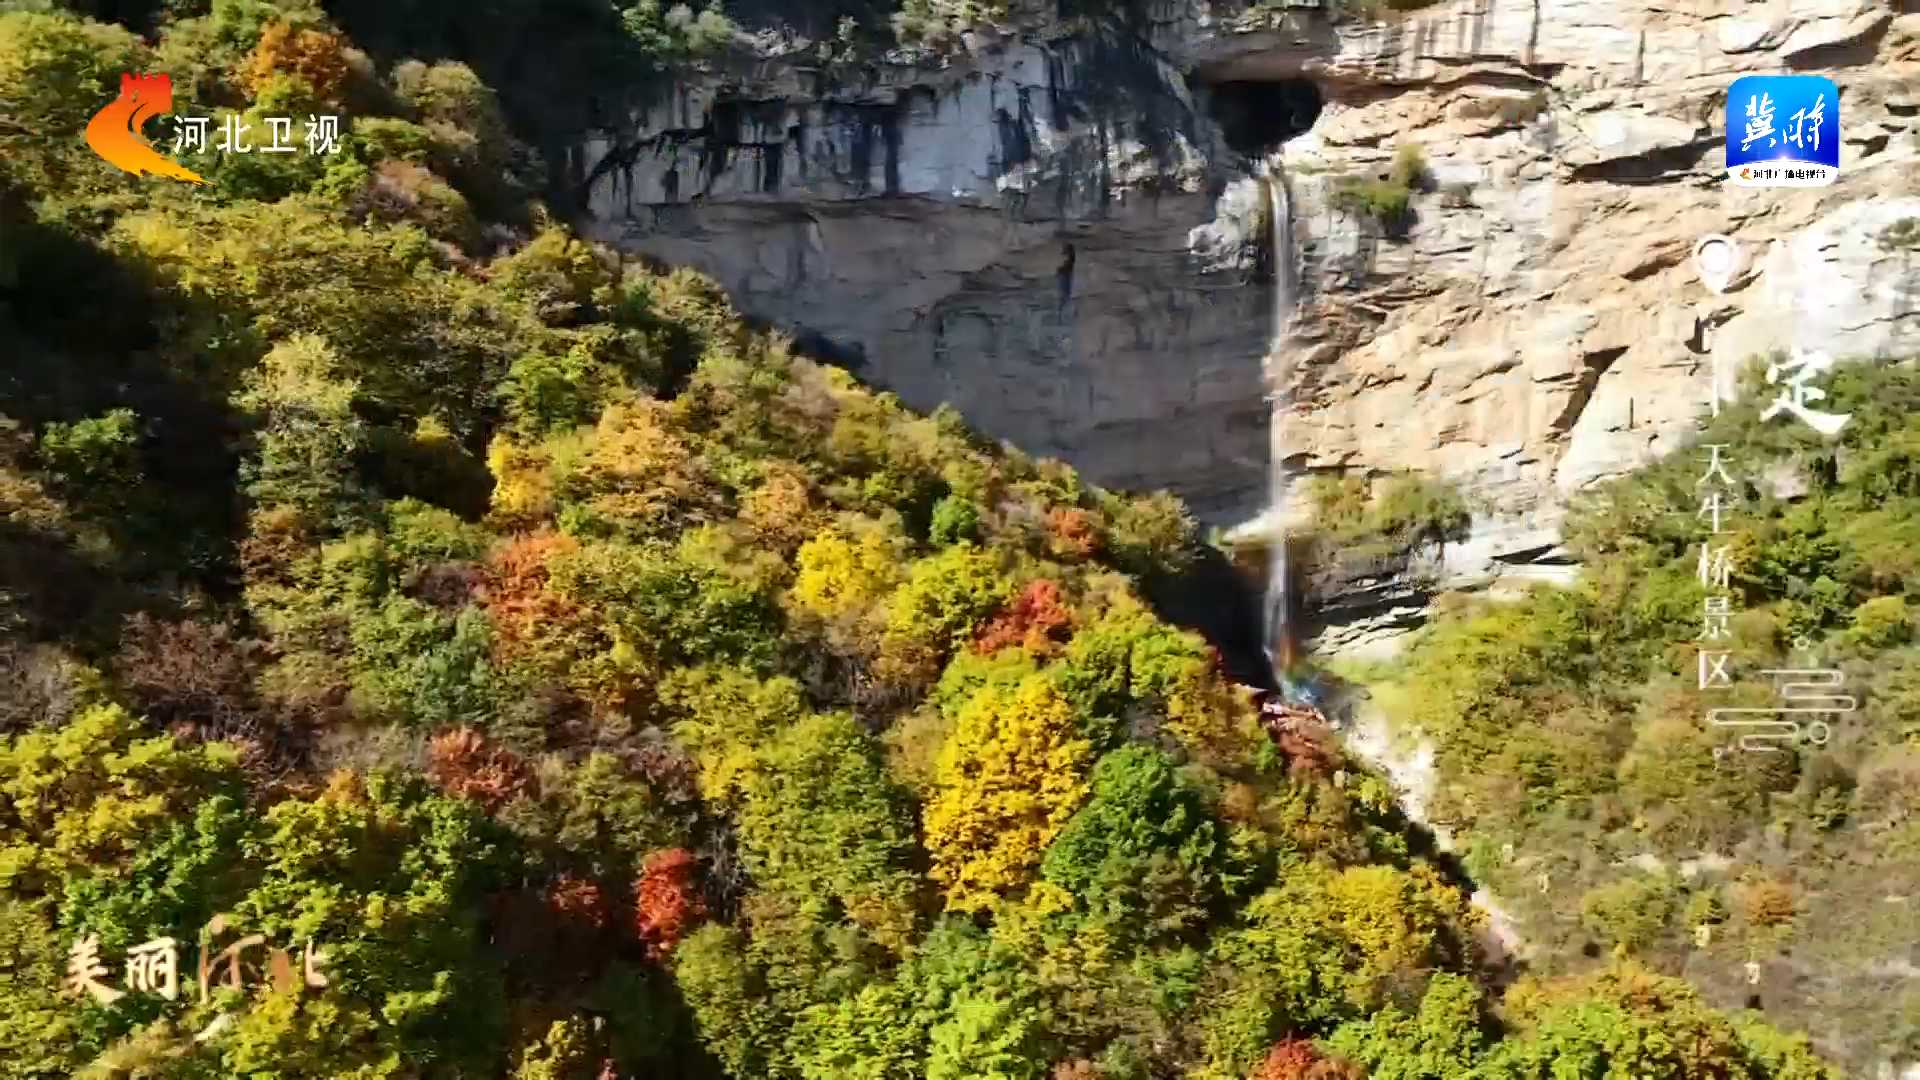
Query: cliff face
<point x="1060" y="230"/>
<point x="1541" y="325"/>
<point x="1005" y="229"/>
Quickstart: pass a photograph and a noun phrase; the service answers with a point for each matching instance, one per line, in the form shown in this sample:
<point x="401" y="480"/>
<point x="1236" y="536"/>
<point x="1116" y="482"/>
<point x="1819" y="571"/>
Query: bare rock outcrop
<point x="1539" y="325"/>
<point x="1004" y="229"/>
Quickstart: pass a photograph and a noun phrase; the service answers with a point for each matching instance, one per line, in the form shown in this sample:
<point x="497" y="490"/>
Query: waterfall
<point x="1279" y="603"/>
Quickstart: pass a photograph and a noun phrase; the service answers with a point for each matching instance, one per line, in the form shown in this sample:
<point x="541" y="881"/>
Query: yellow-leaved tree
<point x="842" y="574"/>
<point x="1007" y="779"/>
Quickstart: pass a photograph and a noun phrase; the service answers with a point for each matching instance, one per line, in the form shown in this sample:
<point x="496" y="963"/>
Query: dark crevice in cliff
<point x="1595" y="365"/>
<point x="1654" y="167"/>
<point x="1255" y="117"/>
<point x="873" y="127"/>
<point x="817" y="346"/>
<point x="1016" y="147"/>
<point x="874" y="132"/>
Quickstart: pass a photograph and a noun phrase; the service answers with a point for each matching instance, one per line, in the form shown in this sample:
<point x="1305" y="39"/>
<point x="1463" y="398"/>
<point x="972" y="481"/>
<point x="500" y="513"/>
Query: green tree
<point x="871" y="1035"/>
<point x="387" y="876"/>
<point x="42" y="1032"/>
<point x="1628" y="1022"/>
<point x="946" y="596"/>
<point x="726" y="994"/>
<point x="422" y="668"/>
<point x="1633" y="911"/>
<point x="59" y="70"/>
<point x="1443" y="1040"/>
<point x="101" y="453"/>
<point x="954" y="519"/>
<point x="819" y="786"/>
<point x="309" y="434"/>
<point x="1143" y="846"/>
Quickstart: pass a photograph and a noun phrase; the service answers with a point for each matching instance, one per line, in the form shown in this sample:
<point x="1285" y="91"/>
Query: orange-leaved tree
<point x="1037" y="620"/>
<point x="464" y="764"/>
<point x="667" y="900"/>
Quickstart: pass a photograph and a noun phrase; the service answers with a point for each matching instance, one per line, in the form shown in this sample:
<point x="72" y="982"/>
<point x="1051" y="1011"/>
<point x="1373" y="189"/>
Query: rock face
<point x="1540" y="326"/>
<point x="1062" y="230"/>
<point x="1005" y="230"/>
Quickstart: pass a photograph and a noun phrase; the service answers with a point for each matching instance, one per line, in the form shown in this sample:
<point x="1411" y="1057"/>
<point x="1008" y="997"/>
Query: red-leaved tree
<point x="1038" y="620"/>
<point x="1070" y="532"/>
<point x="577" y="902"/>
<point x="514" y="591"/>
<point x="667" y="900"/>
<point x="1298" y="1059"/>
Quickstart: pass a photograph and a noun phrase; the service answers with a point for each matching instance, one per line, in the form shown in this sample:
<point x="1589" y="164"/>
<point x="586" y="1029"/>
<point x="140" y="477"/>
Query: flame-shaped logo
<point x="114" y="132"/>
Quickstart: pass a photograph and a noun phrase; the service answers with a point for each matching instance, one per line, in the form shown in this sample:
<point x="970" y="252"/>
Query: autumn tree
<point x="463" y="764"/>
<point x="781" y="509"/>
<point x="1008" y="780"/>
<point x="638" y="476"/>
<point x="1299" y="1059"/>
<point x="317" y="57"/>
<point x="556" y="272"/>
<point x="872" y="1034"/>
<point x="84" y="798"/>
<point x="667" y="900"/>
<point x="41" y="1034"/>
<point x="1037" y="620"/>
<point x="531" y="621"/>
<point x="454" y="103"/>
<point x="612" y="746"/>
<point x="842" y="575"/>
<point x="191" y="677"/>
<point x="1071" y="532"/>
<point x="565" y="1052"/>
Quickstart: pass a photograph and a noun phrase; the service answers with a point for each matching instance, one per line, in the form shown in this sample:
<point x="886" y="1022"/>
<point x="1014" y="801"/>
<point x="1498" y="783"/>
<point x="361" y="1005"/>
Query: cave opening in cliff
<point x="1255" y="117"/>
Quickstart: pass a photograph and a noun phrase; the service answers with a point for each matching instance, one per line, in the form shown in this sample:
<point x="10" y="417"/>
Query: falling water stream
<point x="1412" y="772"/>
<point x="1279" y="604"/>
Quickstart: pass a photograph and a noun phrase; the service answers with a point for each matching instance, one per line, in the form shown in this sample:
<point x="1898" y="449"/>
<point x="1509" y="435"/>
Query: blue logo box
<point x="1783" y="131"/>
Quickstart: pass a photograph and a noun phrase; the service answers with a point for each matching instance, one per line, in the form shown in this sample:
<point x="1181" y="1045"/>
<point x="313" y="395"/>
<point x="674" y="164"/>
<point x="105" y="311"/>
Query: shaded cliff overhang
<point x="1255" y="116"/>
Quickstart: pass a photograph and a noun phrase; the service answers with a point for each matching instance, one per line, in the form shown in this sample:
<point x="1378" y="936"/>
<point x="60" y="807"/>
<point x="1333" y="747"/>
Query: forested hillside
<point x="1574" y="746"/>
<point x="579" y="684"/>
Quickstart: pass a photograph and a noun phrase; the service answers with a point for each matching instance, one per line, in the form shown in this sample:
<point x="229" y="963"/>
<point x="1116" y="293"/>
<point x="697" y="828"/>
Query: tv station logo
<point x="1783" y="131"/>
<point x="114" y="132"/>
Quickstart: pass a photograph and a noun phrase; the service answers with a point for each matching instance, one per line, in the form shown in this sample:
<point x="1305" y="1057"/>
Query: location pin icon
<point x="1716" y="259"/>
